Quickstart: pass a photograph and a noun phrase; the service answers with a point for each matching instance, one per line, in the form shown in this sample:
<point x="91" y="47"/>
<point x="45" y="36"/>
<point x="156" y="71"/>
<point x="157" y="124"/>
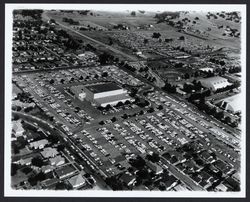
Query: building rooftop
<point x="103" y="87"/>
<point x="113" y="98"/>
<point x="49" y="152"/>
<point x="214" y="79"/>
<point x="64" y="171"/>
<point x="77" y="180"/>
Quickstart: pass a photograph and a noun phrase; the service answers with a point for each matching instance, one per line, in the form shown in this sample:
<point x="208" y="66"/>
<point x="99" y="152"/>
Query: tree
<point x="14" y="168"/>
<point x="228" y="120"/>
<point x="53" y="139"/>
<point x="101" y="123"/>
<point x="156" y="35"/>
<point x="145" y="41"/>
<point x="104" y="74"/>
<point x="182" y="38"/>
<point x="114" y="119"/>
<point x="219" y="115"/>
<point x="151" y="110"/>
<point x="114" y="183"/>
<point x="154" y="157"/>
<point x="60" y="147"/>
<point x="127" y="102"/>
<point x="119" y="104"/>
<point x="37" y="161"/>
<point x="52" y="81"/>
<point x="133" y="13"/>
<point x="124" y="116"/>
<point x="186" y="76"/>
<point x="160" y="107"/>
<point x="138" y="163"/>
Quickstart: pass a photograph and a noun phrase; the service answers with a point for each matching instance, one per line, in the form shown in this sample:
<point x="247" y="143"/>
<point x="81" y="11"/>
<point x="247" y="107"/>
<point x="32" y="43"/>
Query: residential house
<point x="154" y="167"/>
<point x="49" y="152"/>
<point x="40" y="144"/>
<point x="128" y="179"/>
<point x="57" y="161"/>
<point x="77" y="181"/>
<point x="65" y="171"/>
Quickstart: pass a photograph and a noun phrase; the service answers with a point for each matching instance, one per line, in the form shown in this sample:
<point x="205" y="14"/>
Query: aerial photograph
<point x="132" y="100"/>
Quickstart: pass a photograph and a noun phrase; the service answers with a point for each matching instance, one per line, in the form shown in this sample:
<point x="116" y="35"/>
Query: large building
<point x="102" y="94"/>
<point x="214" y="83"/>
<point x="232" y="104"/>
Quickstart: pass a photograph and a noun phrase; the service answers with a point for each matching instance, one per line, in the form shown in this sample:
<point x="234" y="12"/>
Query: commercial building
<point x="214" y="83"/>
<point x="232" y="104"/>
<point x="102" y="94"/>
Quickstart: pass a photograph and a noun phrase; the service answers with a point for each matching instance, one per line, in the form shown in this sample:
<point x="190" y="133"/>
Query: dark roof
<point x="103" y="87"/>
<point x="223" y="166"/>
<point x="126" y="178"/>
<point x="50" y="182"/>
<point x="170" y="181"/>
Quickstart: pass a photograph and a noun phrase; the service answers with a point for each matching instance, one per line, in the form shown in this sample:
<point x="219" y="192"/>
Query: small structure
<point x="40" y="144"/>
<point x="65" y="171"/>
<point x="57" y="161"/>
<point x="17" y="128"/>
<point x="49" y="152"/>
<point x="128" y="179"/>
<point x="154" y="167"/>
<point x="77" y="181"/>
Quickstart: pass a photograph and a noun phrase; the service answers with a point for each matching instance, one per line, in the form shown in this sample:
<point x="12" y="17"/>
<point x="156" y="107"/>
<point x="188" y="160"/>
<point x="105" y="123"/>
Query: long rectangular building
<point x="102" y="94"/>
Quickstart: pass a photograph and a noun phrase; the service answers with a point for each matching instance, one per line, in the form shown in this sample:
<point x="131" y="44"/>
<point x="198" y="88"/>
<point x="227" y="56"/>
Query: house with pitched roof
<point x="49" y="152"/>
<point x="77" y="181"/>
<point x="40" y="144"/>
<point x="17" y="128"/>
<point x="57" y="161"/>
<point x="154" y="167"/>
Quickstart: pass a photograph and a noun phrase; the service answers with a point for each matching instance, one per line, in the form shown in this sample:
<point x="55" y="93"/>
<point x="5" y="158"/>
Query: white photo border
<point x="9" y="192"/>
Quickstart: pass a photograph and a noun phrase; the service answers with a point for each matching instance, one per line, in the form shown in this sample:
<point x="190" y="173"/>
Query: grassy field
<point x="213" y="38"/>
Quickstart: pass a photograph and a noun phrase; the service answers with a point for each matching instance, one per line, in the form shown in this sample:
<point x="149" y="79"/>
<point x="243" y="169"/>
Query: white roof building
<point x="17" y="128"/>
<point x="214" y="83"/>
<point x="39" y="144"/>
<point x="77" y="181"/>
<point x="233" y="103"/>
<point x="49" y="152"/>
<point x="57" y="161"/>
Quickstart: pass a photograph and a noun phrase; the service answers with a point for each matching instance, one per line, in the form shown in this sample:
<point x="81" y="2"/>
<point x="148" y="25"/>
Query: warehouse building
<point x="232" y="104"/>
<point x="102" y="94"/>
<point x="214" y="83"/>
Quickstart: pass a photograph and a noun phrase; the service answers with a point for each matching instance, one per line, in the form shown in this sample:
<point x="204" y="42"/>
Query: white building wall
<point x="109" y="93"/>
